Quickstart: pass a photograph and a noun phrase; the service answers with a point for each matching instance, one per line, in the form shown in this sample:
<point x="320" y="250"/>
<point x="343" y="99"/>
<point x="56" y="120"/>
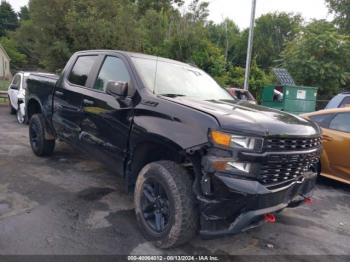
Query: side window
<point x="81" y="70"/>
<point x="321" y="119"/>
<point x="346" y="102"/>
<point x="113" y="69"/>
<point x="16" y="81"/>
<point x="341" y="122"/>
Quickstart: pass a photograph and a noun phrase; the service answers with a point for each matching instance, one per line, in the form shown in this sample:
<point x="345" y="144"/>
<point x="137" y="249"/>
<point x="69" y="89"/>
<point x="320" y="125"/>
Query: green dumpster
<point x="289" y="97"/>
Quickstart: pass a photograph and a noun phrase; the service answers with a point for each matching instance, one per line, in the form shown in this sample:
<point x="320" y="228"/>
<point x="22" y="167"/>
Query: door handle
<point x="59" y="93"/>
<point x="88" y="102"/>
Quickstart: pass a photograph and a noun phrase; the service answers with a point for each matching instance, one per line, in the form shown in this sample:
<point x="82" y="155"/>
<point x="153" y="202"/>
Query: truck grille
<point x="291" y="144"/>
<point x="283" y="168"/>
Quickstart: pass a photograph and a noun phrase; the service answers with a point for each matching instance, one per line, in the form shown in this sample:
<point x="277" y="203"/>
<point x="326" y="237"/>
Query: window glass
<point x="113" y="69"/>
<point x="175" y="79"/>
<point x="322" y="120"/>
<point x="341" y="122"/>
<point x="16" y="81"/>
<point x="346" y="102"/>
<point x="319" y="118"/>
<point x="81" y="70"/>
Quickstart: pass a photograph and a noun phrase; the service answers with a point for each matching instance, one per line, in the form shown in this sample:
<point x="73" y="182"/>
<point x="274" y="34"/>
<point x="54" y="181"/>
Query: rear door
<point x="14" y="89"/>
<point x="67" y="112"/>
<point x="337" y="145"/>
<point x="107" y="120"/>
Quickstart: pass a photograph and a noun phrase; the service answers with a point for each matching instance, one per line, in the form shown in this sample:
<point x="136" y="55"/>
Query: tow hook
<point x="308" y="200"/>
<point x="270" y="218"/>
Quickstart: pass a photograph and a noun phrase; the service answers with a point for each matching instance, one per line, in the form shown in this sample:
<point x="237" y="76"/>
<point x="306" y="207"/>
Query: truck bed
<point x="41" y="87"/>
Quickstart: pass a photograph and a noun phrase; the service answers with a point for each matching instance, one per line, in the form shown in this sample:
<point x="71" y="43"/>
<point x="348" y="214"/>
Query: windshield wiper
<point x="172" y="95"/>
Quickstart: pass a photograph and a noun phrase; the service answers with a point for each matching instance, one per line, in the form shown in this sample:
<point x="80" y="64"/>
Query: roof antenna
<point x="155" y="77"/>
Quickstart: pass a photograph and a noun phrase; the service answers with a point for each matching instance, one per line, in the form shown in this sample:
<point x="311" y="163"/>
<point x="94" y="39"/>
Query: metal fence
<point x="3" y="96"/>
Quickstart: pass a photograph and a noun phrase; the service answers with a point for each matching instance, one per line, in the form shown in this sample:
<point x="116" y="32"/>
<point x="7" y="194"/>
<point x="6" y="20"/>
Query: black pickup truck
<point x="196" y="159"/>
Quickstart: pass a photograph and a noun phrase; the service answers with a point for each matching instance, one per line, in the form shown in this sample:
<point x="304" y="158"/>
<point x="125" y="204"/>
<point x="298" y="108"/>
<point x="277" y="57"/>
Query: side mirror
<point x="14" y="87"/>
<point x="117" y="89"/>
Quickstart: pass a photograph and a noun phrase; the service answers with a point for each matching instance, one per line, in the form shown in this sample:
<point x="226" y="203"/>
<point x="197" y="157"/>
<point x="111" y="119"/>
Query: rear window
<point x="16" y="81"/>
<point x="321" y="119"/>
<point x="81" y="70"/>
<point x="346" y="102"/>
<point x="341" y="122"/>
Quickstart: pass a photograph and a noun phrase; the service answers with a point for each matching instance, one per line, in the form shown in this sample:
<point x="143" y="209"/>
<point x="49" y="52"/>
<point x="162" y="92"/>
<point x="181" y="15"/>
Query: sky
<point x="239" y="10"/>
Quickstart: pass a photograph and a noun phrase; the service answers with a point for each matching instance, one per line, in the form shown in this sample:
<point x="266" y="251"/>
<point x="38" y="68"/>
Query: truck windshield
<point x="178" y="80"/>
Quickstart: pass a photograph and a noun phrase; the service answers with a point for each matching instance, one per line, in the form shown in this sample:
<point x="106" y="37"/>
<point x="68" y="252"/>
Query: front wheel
<point x="40" y="145"/>
<point x="165" y="204"/>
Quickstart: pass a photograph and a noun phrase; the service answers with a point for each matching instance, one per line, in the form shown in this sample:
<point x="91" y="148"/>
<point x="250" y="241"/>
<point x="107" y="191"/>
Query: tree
<point x="8" y="18"/>
<point x="157" y="5"/>
<point x="258" y="78"/>
<point x="226" y="36"/>
<point x="18" y="60"/>
<point x="341" y="10"/>
<point x="24" y="13"/>
<point x="320" y="57"/>
<point x="272" y="32"/>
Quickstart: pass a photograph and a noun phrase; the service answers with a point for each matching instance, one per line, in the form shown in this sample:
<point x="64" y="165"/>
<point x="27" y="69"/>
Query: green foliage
<point x="226" y="36"/>
<point x="272" y="32"/>
<point x="24" y="13"/>
<point x="17" y="59"/>
<point x="319" y="56"/>
<point x="50" y="31"/>
<point x="4" y="84"/>
<point x="341" y="10"/>
<point x="157" y="5"/>
<point x="8" y="18"/>
<point x="257" y="81"/>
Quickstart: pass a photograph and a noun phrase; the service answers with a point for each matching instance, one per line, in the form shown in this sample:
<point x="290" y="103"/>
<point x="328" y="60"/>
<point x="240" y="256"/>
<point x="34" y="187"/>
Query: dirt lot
<point x="69" y="204"/>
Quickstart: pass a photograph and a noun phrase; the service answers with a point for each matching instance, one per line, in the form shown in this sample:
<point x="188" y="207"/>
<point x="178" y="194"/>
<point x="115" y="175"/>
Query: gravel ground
<point x="70" y="204"/>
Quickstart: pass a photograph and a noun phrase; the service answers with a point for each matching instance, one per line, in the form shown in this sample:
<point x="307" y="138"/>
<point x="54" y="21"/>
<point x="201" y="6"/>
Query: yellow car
<point x="335" y="159"/>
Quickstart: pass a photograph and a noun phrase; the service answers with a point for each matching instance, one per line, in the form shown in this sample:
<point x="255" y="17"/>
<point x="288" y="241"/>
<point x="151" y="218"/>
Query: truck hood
<point x="247" y="118"/>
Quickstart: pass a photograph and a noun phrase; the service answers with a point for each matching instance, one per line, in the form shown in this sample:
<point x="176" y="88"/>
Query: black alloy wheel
<point x="165" y="205"/>
<point x="41" y="146"/>
<point x="155" y="206"/>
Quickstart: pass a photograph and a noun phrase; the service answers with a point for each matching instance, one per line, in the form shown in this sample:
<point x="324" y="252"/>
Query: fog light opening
<point x="308" y="200"/>
<point x="270" y="218"/>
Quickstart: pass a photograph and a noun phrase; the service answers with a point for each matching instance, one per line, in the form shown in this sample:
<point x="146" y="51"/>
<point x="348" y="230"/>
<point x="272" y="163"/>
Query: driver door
<point x="107" y="120"/>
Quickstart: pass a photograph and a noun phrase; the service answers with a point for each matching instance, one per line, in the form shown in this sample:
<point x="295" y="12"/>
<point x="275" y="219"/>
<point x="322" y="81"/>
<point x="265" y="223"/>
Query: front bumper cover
<point x="241" y="204"/>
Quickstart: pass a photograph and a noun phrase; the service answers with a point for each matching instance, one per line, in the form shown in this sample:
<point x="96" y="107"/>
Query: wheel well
<point x="33" y="107"/>
<point x="147" y="153"/>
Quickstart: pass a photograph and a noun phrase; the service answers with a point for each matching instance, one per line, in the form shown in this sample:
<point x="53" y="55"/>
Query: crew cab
<point x="196" y="159"/>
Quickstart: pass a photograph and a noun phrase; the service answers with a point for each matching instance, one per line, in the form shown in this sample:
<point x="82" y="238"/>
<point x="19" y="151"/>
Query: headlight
<point x="235" y="141"/>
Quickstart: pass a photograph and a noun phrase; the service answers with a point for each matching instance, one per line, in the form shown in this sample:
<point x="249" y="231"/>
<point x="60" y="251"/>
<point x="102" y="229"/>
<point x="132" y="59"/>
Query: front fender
<point x="172" y="123"/>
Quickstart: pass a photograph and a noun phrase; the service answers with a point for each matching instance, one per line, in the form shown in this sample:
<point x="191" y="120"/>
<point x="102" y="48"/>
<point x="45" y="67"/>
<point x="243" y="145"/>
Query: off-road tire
<point x="177" y="184"/>
<point x="12" y="110"/>
<point x="42" y="147"/>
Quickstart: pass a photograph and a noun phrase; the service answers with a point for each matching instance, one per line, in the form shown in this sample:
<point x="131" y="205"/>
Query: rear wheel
<point x="165" y="205"/>
<point x="40" y="145"/>
<point x="12" y="110"/>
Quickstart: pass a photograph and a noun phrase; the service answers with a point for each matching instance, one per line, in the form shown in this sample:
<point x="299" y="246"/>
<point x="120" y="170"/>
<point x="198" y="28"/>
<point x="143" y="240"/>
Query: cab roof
<point x="136" y="55"/>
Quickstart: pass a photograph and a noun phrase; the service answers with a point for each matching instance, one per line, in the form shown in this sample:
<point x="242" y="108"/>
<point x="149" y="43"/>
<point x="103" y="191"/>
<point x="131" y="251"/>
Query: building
<point x="5" y="72"/>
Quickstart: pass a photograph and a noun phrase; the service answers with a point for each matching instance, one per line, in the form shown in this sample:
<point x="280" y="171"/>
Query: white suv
<point x="16" y="93"/>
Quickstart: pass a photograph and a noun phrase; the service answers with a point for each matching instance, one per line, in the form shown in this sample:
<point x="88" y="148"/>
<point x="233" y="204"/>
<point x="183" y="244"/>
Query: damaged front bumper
<point x="241" y="204"/>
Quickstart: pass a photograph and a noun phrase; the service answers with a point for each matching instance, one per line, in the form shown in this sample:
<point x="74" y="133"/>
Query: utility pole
<point x="250" y="46"/>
